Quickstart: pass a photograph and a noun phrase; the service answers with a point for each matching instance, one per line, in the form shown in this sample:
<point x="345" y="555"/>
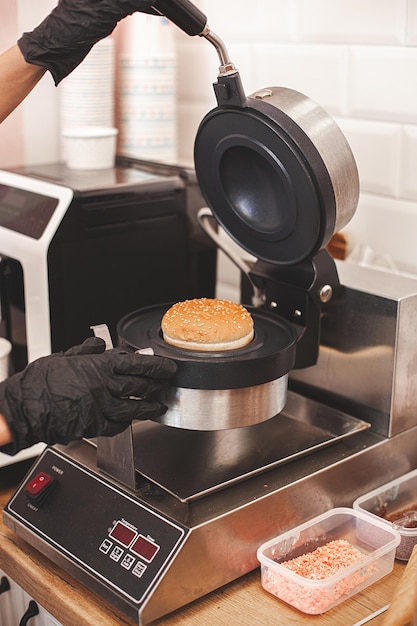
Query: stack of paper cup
<point x="87" y="94"/>
<point x="147" y="89"/>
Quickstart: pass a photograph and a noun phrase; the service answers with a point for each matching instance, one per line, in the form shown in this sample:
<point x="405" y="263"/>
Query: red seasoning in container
<point x="323" y="562"/>
<point x="319" y="564"/>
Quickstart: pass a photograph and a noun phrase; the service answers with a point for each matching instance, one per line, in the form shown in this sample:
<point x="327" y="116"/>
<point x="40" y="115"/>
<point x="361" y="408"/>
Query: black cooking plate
<point x="270" y="191"/>
<point x="270" y="355"/>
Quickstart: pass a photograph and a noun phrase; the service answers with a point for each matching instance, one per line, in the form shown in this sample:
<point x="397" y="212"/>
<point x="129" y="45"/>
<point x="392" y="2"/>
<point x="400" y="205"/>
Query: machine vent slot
<point x="108" y="227"/>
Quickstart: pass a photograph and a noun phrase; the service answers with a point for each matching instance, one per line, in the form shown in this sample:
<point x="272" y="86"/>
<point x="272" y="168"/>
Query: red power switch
<point x="38" y="488"/>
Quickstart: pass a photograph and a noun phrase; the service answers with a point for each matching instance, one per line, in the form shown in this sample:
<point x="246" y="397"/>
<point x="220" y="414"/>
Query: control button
<point x="139" y="569"/>
<point x="105" y="546"/>
<point x="128" y="561"/>
<point x="38" y="488"/>
<point x="116" y="553"/>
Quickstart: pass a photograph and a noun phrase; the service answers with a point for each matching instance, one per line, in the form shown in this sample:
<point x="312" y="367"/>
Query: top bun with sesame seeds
<point x="207" y="324"/>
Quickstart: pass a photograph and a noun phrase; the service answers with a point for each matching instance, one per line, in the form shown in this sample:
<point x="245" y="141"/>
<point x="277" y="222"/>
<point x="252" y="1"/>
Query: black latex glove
<point x="82" y="393"/>
<point x="68" y="33"/>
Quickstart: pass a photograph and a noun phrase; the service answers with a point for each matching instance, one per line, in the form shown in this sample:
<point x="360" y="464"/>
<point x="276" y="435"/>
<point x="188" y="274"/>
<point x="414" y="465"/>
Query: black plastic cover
<point x="265" y="182"/>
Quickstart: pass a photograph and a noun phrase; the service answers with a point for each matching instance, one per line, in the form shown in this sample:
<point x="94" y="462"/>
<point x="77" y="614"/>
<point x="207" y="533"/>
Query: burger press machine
<point x="319" y="408"/>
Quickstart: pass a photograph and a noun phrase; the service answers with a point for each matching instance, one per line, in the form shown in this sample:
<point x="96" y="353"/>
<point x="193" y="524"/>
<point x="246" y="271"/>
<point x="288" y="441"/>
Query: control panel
<point x="121" y="542"/>
<point x="25" y="211"/>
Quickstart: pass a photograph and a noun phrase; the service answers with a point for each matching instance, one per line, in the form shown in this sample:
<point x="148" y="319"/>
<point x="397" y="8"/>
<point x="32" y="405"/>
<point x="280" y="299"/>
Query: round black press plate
<point x="256" y="179"/>
<point x="270" y="355"/>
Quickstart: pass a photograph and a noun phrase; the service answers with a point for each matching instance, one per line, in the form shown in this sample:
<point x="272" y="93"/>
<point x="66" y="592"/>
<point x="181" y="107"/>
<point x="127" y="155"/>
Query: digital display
<point x="123" y="534"/>
<point x="144" y="548"/>
<point x="25" y="211"/>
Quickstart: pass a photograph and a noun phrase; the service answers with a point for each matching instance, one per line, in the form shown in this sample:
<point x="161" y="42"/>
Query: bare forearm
<point x="5" y="434"/>
<point x="17" y="79"/>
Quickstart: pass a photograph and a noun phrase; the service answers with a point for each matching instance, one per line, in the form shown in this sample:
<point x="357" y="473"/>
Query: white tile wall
<point x="411" y="25"/>
<point x="408" y="177"/>
<point x="390" y="228"/>
<point x="382" y="83"/>
<point x="358" y="60"/>
<point x="354" y="22"/>
<point x="318" y="72"/>
<point x="246" y="21"/>
<point x="377" y="150"/>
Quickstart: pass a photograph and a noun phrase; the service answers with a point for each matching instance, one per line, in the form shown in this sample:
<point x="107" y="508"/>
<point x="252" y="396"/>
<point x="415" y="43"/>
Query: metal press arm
<point x="193" y="22"/>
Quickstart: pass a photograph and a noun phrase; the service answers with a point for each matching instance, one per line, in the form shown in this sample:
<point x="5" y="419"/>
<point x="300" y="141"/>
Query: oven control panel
<point x="108" y="533"/>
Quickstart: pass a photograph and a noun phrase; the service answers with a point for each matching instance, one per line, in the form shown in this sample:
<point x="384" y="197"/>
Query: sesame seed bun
<point x="207" y="324"/>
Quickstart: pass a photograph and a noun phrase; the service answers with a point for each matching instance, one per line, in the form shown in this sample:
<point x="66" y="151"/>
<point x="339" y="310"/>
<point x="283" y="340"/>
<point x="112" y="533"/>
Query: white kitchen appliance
<point x="77" y="244"/>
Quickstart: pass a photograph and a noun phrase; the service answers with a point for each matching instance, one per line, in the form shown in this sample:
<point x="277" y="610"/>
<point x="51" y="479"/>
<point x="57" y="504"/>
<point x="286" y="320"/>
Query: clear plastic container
<point x="396" y="504"/>
<point x="367" y="544"/>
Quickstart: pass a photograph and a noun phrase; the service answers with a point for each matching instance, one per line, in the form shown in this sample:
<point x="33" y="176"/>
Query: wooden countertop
<point x="74" y="605"/>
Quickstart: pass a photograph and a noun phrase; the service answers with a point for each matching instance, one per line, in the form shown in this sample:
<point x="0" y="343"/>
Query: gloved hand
<point x="83" y="392"/>
<point x="69" y="32"/>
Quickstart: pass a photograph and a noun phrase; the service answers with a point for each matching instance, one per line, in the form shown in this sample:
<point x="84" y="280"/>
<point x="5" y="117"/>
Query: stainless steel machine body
<point x="203" y="544"/>
<point x="368" y="354"/>
<point x="202" y="502"/>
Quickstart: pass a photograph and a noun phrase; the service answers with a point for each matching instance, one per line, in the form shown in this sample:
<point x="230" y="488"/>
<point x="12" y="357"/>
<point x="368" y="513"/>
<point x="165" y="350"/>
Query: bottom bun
<point x="209" y="347"/>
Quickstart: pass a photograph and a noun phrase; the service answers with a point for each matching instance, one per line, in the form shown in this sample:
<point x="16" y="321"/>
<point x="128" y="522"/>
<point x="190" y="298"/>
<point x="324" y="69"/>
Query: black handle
<point x="32" y="611"/>
<point x="182" y="13"/>
<point x="4" y="584"/>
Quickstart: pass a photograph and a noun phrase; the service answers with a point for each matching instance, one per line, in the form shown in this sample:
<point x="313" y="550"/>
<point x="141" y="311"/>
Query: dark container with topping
<point x="396" y="503"/>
